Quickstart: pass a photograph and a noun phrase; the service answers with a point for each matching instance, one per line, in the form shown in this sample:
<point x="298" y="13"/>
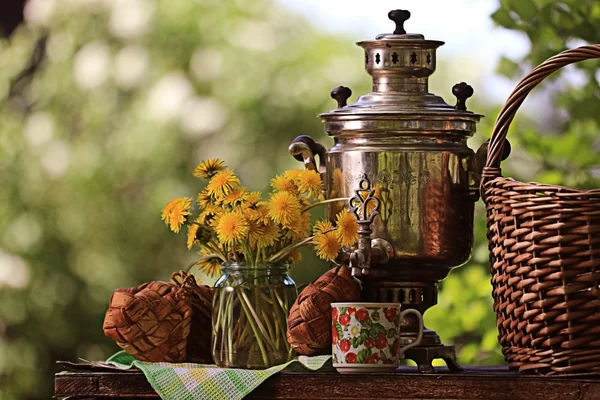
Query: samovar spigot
<point x="365" y="207"/>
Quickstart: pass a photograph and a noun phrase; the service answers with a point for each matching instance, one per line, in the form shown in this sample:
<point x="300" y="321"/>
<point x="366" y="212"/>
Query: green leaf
<point x="338" y="328"/>
<point x="362" y="355"/>
<point x="392" y="332"/>
<point x="507" y="67"/>
<point x="375" y="315"/>
<point x="376" y="330"/>
<point x="503" y="18"/>
<point x="362" y="337"/>
<point x="364" y="334"/>
<point x="525" y="8"/>
<point x="343" y="310"/>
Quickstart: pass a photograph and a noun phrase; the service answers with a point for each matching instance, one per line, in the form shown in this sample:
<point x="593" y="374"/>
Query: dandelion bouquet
<point x="254" y="240"/>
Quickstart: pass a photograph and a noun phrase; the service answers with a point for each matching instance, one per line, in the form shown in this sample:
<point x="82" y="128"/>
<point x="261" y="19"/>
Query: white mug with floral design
<point x="366" y="336"/>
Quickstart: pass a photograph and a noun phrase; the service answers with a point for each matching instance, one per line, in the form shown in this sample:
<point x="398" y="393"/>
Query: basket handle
<point x="492" y="169"/>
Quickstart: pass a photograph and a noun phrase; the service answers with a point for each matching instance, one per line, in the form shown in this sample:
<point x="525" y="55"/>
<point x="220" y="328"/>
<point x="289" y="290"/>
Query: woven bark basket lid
<point x="309" y="323"/>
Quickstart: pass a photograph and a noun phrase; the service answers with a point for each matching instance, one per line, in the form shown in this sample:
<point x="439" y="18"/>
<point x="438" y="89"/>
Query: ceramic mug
<point x="366" y="336"/>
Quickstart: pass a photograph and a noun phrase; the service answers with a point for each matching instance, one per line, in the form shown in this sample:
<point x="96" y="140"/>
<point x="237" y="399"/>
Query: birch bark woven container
<point x="544" y="245"/>
<point x="162" y="321"/>
<point x="309" y="322"/>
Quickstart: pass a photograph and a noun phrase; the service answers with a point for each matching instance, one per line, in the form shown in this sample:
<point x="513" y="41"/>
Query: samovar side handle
<point x="365" y="207"/>
<point x="462" y="92"/>
<point x="304" y="149"/>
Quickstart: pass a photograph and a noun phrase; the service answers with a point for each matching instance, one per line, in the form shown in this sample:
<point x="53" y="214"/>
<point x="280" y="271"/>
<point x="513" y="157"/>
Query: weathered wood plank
<point x="474" y="384"/>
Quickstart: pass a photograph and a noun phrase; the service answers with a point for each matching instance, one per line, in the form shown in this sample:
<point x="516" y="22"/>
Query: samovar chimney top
<point x="400" y="64"/>
<point x="400" y="61"/>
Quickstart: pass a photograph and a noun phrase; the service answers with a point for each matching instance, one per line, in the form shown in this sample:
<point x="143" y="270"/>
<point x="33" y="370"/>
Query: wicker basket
<point x="545" y="255"/>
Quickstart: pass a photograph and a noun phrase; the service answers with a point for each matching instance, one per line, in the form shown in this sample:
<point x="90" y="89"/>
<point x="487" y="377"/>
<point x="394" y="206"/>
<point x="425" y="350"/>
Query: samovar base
<point x="430" y="348"/>
<point x="424" y="356"/>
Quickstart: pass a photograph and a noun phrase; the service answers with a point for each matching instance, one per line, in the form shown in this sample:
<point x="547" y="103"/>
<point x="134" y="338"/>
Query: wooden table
<point x="482" y="383"/>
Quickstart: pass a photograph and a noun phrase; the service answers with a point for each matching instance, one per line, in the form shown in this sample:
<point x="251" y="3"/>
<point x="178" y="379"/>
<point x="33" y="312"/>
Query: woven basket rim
<point x="555" y="190"/>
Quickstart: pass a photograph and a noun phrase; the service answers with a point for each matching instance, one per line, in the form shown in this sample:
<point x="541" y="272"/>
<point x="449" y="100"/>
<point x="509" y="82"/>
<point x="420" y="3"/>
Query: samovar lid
<point x="400" y="64"/>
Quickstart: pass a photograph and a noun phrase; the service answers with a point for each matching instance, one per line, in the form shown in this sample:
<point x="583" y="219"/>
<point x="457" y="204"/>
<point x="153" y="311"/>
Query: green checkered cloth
<point x="204" y="381"/>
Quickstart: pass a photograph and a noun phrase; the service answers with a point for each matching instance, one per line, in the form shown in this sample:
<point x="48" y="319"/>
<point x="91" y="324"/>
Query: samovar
<point x="400" y="154"/>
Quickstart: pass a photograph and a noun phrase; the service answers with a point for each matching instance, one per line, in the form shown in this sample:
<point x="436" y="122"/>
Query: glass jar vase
<point x="249" y="319"/>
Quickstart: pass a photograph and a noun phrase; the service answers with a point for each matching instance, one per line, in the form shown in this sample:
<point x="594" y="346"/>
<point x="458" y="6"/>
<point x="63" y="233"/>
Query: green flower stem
<point x="279" y="318"/>
<point x="318" y="203"/>
<point x="266" y="299"/>
<point x="214" y="247"/>
<point x="270" y="329"/>
<point x="219" y="317"/>
<point x="257" y="303"/>
<point x="247" y="251"/>
<point x="230" y="307"/>
<point x="239" y="326"/>
<point x="288" y="249"/>
<point x="253" y="324"/>
<point x="249" y="307"/>
<point x="245" y="330"/>
<point x="283" y="305"/>
<point x="224" y="323"/>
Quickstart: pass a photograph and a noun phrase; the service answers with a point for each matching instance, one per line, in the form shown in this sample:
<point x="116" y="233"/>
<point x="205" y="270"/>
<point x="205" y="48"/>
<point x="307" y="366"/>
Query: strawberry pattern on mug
<point x="365" y="335"/>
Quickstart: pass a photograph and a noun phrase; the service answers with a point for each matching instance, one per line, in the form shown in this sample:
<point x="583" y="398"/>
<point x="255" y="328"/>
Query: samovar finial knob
<point x="462" y="91"/>
<point x="399" y="17"/>
<point x="341" y="94"/>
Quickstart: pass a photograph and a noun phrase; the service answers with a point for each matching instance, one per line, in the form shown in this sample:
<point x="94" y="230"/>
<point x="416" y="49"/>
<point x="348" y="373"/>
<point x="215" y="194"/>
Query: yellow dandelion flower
<point x="299" y="227"/>
<point x="259" y="214"/>
<point x="203" y="199"/>
<point x="208" y="214"/>
<point x="210" y="266"/>
<point x="176" y="212"/>
<point x="322" y="226"/>
<point x="222" y="183"/>
<point x="253" y="198"/>
<point x="294" y="257"/>
<point x="254" y="232"/>
<point x="198" y="231"/>
<point x="191" y="235"/>
<point x="208" y="168"/>
<point x="293" y="174"/>
<point x="347" y="228"/>
<point x="232" y="227"/>
<point x="326" y="246"/>
<point x="236" y="196"/>
<point x="283" y="184"/>
<point x="309" y="182"/>
<point x="269" y="235"/>
<point x="283" y="207"/>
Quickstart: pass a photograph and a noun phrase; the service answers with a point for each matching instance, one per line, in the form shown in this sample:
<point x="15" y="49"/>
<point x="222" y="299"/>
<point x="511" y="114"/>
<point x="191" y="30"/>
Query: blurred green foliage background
<point x="105" y="109"/>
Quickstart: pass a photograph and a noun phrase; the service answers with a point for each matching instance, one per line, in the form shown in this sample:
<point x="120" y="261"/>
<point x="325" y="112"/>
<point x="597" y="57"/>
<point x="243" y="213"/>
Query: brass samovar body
<point x="409" y="148"/>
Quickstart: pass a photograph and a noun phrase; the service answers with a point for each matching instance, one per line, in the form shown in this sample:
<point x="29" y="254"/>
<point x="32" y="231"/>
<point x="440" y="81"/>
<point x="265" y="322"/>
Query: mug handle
<point x="419" y="336"/>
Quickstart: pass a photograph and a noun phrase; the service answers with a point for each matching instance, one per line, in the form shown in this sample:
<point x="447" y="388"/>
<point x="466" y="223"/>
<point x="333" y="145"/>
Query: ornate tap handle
<point x="365" y="207"/>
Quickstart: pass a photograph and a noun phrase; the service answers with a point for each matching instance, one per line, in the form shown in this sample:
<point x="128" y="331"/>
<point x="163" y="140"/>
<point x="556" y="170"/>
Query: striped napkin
<point x="203" y="381"/>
